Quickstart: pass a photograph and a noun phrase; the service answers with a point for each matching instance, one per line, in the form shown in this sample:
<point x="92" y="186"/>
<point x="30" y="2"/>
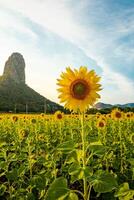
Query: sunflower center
<point x="79" y="89"/>
<point x="118" y="114"/>
<point x="59" y="116"/>
<point x="101" y="124"/>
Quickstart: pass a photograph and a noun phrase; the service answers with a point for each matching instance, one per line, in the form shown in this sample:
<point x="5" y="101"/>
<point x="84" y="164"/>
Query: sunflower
<point x="78" y="88"/>
<point x="15" y="118"/>
<point x="23" y="134"/>
<point x="33" y="121"/>
<point x="117" y="114"/>
<point x="58" y="115"/>
<point x="128" y="115"/>
<point x="101" y="123"/>
<point x="40" y="137"/>
<point x="102" y="117"/>
<point x="42" y="115"/>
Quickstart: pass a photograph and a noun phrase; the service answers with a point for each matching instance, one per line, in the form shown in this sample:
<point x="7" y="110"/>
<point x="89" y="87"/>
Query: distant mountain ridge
<point x="16" y="95"/>
<point x="101" y="105"/>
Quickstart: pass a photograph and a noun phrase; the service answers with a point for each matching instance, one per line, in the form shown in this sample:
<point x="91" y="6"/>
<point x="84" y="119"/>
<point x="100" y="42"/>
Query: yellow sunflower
<point x="128" y="115"/>
<point x="117" y="114"/>
<point x="23" y="133"/>
<point x="78" y="88"/>
<point x="108" y="116"/>
<point x="15" y="118"/>
<point x="101" y="123"/>
<point x="58" y="115"/>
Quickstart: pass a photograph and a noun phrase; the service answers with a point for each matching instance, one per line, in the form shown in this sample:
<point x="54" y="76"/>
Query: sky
<point x="54" y="34"/>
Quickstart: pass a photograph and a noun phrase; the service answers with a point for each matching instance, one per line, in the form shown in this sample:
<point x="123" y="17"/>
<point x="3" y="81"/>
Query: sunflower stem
<point x="121" y="148"/>
<point x="84" y="155"/>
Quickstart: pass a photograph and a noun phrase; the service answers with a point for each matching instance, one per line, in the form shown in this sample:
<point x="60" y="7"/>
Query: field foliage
<point x="41" y="157"/>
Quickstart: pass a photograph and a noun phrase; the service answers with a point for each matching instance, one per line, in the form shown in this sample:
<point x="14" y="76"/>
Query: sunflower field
<point x="68" y="157"/>
<point x="41" y="156"/>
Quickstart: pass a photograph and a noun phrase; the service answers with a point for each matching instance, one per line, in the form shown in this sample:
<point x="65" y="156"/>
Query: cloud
<point x="9" y="23"/>
<point x="96" y="28"/>
<point x="53" y="15"/>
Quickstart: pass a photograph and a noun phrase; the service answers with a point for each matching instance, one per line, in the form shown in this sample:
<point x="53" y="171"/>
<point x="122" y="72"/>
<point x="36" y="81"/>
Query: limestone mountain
<point x="16" y="95"/>
<point x="14" y="69"/>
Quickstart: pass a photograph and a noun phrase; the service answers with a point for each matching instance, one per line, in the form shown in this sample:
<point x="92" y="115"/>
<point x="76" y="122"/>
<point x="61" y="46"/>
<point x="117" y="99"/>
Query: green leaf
<point x="2" y="189"/>
<point x="98" y="150"/>
<point x="38" y="182"/>
<point x="58" y="189"/>
<point x="74" y="168"/>
<point x="3" y="165"/>
<point x="67" y="146"/>
<point x="12" y="175"/>
<point x="70" y="196"/>
<point x="131" y="161"/>
<point x="30" y="196"/>
<point x="72" y="157"/>
<point x="103" y="182"/>
<point x="2" y="144"/>
<point x="108" y="196"/>
<point x="124" y="193"/>
<point x="88" y="171"/>
<point x="73" y="196"/>
<point x="96" y="143"/>
<point x="79" y="154"/>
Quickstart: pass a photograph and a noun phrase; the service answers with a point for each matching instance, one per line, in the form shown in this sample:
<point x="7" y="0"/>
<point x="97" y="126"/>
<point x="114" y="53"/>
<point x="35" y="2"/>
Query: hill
<point x="101" y="105"/>
<point x="16" y="95"/>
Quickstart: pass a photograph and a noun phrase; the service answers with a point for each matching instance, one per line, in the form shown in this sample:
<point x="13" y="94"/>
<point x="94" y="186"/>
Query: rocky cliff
<point x="15" y="68"/>
<point x="16" y="95"/>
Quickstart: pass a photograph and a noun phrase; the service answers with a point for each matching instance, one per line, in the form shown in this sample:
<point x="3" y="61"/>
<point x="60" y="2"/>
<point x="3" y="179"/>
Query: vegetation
<point x="66" y="157"/>
<point x="21" y="98"/>
<point x="41" y="156"/>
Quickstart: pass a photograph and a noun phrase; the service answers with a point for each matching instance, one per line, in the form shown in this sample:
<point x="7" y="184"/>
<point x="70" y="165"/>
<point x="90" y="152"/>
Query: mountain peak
<point x="15" y="68"/>
<point x="16" y="95"/>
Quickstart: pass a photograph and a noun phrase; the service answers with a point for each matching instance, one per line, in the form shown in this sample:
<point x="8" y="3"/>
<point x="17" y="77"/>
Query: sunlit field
<point x="66" y="99"/>
<point x="41" y="156"/>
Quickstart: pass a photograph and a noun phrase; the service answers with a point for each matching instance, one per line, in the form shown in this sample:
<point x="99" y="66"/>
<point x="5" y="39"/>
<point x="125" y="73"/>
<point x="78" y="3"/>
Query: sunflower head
<point x="128" y="115"/>
<point x="101" y="123"/>
<point x="108" y="116"/>
<point x="58" y="115"/>
<point x="40" y="137"/>
<point x="33" y="121"/>
<point x="23" y="134"/>
<point x="42" y="115"/>
<point x="15" y="118"/>
<point x="78" y="88"/>
<point x="117" y="114"/>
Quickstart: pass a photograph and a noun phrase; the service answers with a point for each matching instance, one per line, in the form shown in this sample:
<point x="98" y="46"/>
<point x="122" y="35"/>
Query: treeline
<point x="108" y="110"/>
<point x="30" y="108"/>
<point x="51" y="108"/>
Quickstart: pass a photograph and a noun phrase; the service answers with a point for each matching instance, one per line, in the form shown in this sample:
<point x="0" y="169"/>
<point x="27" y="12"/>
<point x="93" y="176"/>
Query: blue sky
<point x="54" y="34"/>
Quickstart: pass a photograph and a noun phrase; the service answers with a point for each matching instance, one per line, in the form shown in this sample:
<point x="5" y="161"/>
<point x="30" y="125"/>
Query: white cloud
<point x="53" y="15"/>
<point x="11" y="24"/>
<point x="122" y="92"/>
<point x="58" y="17"/>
